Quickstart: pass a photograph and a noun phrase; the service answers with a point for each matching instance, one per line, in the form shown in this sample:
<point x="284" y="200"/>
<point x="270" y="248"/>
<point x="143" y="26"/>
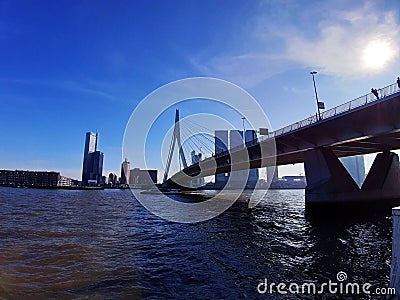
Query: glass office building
<point x="92" y="169"/>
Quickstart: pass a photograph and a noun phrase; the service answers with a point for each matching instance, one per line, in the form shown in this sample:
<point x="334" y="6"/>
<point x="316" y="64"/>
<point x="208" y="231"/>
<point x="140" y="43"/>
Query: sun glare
<point x="377" y="54"/>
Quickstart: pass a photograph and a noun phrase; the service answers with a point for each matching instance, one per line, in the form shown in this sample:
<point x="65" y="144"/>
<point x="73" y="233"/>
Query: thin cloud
<point x="334" y="42"/>
<point x="66" y="85"/>
<point x="341" y="42"/>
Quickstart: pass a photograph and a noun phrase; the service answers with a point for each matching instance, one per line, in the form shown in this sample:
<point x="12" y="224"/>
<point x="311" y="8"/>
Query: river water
<point x="104" y="245"/>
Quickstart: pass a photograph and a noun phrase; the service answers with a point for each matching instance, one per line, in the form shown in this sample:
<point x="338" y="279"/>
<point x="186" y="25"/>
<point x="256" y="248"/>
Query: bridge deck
<point x="361" y="126"/>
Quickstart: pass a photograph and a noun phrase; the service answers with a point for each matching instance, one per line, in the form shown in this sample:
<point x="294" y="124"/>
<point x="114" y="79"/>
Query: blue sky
<point x="68" y="67"/>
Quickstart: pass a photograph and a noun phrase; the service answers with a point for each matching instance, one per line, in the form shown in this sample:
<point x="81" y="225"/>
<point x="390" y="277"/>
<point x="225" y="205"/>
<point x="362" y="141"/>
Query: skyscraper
<point x="221" y="141"/>
<point x="90" y="147"/>
<point x="238" y="179"/>
<point x="251" y="138"/>
<point x="92" y="169"/>
<point x="96" y="174"/>
<point x="125" y="171"/>
<point x="221" y="145"/>
<point x="235" y="138"/>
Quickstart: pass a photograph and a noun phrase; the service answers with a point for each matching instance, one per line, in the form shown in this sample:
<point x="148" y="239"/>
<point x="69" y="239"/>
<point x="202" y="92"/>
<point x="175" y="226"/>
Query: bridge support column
<point x="330" y="186"/>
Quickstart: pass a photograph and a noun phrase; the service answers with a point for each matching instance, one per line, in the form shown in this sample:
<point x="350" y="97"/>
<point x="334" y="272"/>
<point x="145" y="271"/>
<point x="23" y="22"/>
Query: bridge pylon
<point x="176" y="138"/>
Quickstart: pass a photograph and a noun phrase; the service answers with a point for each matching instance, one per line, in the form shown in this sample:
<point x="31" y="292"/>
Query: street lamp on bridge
<point x="244" y="131"/>
<point x="320" y="105"/>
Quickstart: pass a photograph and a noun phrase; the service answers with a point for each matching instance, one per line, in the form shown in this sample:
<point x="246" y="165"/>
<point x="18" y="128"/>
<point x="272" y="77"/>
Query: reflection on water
<point x="104" y="244"/>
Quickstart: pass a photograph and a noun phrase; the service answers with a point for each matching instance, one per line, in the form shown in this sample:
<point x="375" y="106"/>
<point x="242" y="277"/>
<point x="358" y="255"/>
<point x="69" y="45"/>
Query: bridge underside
<point x="330" y="186"/>
<point x="371" y="128"/>
<point x="254" y="159"/>
<point x="367" y="129"/>
<point x="356" y="146"/>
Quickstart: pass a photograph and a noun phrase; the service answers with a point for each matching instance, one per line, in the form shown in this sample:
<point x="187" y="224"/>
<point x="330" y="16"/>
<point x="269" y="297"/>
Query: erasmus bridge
<point x="368" y="124"/>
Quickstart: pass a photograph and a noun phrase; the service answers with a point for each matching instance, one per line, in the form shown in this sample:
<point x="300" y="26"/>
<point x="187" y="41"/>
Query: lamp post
<point x="316" y="95"/>
<point x="244" y="131"/>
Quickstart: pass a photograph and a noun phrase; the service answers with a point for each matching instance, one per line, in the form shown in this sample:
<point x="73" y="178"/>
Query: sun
<point x="377" y="54"/>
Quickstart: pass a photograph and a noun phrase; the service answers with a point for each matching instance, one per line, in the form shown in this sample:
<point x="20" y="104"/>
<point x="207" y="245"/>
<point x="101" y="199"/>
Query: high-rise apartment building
<point x="221" y="145"/>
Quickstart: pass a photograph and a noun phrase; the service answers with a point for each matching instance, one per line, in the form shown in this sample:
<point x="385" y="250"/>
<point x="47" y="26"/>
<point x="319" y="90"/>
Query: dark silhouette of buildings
<point x="29" y="178"/>
<point x="113" y="180"/>
<point x="143" y="177"/>
<point x="92" y="169"/>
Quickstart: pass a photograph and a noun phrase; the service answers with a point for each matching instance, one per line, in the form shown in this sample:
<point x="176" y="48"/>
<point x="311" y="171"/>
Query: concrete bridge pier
<point x="331" y="187"/>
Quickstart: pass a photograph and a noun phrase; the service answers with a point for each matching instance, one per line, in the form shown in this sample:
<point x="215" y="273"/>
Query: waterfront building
<point x="112" y="180"/>
<point x="125" y="171"/>
<point x="221" y="145"/>
<point x="29" y="178"/>
<point x="356" y="167"/>
<point x="66" y="181"/>
<point x="92" y="169"/>
<point x="289" y="182"/>
<point x="90" y="147"/>
<point x="140" y="177"/>
<point x="96" y="173"/>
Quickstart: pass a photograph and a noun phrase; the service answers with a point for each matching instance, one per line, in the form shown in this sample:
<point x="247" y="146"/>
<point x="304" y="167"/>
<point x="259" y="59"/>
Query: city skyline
<point x="62" y="60"/>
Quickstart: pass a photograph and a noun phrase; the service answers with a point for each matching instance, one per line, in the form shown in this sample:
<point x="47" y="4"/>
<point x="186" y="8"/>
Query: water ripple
<point x="105" y="245"/>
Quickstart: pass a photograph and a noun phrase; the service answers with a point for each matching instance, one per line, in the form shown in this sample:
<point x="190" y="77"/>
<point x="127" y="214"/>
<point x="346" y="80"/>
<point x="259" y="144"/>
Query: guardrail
<point x="330" y="113"/>
<point x="348" y="106"/>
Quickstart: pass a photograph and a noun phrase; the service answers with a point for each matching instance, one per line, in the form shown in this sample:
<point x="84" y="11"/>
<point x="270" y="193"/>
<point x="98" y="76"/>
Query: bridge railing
<point x="348" y="106"/>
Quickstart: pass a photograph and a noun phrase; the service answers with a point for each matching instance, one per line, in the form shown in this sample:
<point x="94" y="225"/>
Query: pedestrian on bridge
<point x="375" y="92"/>
<point x="398" y="82"/>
